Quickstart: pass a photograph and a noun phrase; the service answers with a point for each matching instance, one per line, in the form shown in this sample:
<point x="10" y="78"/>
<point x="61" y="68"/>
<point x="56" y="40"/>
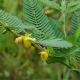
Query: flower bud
<point x="18" y="40"/>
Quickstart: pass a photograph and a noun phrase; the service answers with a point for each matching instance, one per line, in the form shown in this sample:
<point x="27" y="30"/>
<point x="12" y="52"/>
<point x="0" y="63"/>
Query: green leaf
<point x="75" y="38"/>
<point x="58" y="59"/>
<point x="51" y="4"/>
<point x="47" y="27"/>
<point x="76" y="53"/>
<point x="75" y="22"/>
<point x="76" y="35"/>
<point x="24" y="27"/>
<point x="7" y="19"/>
<point x="74" y="69"/>
<point x="34" y="14"/>
<point x="18" y="26"/>
<point x="57" y="27"/>
<point x="73" y="3"/>
<point x="74" y="8"/>
<point x="73" y="61"/>
<point x="59" y="24"/>
<point x="55" y="43"/>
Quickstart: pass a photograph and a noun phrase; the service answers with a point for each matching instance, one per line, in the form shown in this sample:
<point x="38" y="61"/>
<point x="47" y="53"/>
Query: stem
<point x="77" y="62"/>
<point x="64" y="27"/>
<point x="12" y="32"/>
<point x="8" y="29"/>
<point x="38" y="47"/>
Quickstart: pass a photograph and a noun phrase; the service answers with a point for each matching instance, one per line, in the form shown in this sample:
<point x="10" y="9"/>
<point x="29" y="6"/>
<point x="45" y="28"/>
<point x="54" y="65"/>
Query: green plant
<point x="48" y="32"/>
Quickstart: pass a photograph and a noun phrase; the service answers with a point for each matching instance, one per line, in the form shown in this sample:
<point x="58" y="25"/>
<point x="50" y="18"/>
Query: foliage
<point x="48" y="32"/>
<point x="75" y="22"/>
<point x="57" y="43"/>
<point x="51" y="4"/>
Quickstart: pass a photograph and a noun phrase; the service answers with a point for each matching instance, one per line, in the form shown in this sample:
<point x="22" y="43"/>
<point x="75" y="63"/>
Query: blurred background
<point x="19" y="63"/>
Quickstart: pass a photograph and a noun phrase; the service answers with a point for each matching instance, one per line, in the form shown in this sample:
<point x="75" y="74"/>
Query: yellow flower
<point x="44" y="55"/>
<point x="26" y="43"/>
<point x="27" y="40"/>
<point x="18" y="40"/>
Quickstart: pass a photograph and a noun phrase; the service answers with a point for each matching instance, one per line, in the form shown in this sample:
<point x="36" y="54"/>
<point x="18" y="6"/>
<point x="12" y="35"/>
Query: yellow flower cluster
<point x="44" y="54"/>
<point x="25" y="39"/>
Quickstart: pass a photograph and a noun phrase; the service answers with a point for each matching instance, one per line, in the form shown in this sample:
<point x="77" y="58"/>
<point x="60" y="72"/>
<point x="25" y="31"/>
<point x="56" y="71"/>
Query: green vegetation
<point x="42" y="28"/>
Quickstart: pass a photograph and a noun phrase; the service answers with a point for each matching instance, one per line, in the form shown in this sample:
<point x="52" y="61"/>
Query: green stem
<point x="64" y="27"/>
<point x="8" y="29"/>
<point x="14" y="33"/>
